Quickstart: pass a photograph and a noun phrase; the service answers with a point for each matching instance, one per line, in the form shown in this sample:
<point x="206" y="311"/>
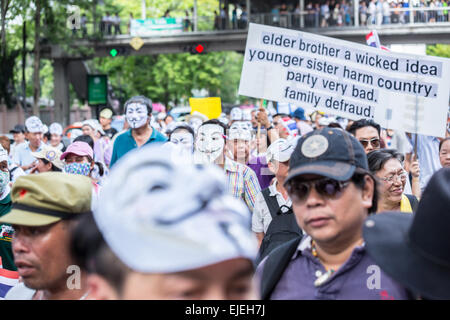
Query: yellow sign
<point x="210" y="107"/>
<point x="136" y="43"/>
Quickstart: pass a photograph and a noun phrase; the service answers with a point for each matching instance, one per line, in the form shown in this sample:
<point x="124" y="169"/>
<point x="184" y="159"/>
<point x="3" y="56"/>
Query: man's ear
<point x="228" y="149"/>
<point x="272" y="167"/>
<point x="368" y="191"/>
<point x="100" y="289"/>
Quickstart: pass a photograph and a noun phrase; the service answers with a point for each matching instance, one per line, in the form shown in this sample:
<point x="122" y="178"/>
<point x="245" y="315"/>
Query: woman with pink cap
<point x="79" y="159"/>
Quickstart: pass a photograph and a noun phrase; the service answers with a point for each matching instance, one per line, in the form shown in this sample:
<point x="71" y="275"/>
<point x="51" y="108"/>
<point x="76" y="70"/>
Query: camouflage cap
<point x="45" y="198"/>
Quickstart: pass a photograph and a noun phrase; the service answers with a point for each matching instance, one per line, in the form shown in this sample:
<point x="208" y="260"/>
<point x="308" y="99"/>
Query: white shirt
<point x="372" y="8"/>
<point x="261" y="217"/>
<point x="400" y="143"/>
<point x="15" y="171"/>
<point x="428" y="154"/>
<point x="13" y="149"/>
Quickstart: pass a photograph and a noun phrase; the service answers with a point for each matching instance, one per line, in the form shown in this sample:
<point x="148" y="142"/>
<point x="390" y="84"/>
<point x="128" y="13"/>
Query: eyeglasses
<point x="299" y="191"/>
<point x="402" y="175"/>
<point x="375" y="142"/>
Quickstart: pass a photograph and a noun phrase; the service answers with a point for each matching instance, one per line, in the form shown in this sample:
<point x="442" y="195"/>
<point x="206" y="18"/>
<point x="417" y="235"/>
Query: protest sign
<point x="210" y="107"/>
<point x="347" y="79"/>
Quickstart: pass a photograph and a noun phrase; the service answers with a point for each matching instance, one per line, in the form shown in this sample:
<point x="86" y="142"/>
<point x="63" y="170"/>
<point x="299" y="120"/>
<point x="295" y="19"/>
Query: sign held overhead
<point x="345" y="78"/>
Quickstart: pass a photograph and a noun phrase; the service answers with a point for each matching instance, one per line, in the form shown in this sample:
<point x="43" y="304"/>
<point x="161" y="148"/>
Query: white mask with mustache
<point x="210" y="142"/>
<point x="136" y="115"/>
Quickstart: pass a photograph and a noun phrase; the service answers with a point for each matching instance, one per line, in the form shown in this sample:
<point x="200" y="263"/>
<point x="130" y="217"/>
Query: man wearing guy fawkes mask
<point x="138" y="112"/>
<point x="242" y="181"/>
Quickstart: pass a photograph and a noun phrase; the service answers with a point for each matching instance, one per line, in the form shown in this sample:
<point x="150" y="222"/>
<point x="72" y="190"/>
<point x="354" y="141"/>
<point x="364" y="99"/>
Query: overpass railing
<point x="305" y="19"/>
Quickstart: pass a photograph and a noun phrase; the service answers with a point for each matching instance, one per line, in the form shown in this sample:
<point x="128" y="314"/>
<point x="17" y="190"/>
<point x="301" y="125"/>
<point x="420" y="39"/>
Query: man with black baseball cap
<point x="332" y="192"/>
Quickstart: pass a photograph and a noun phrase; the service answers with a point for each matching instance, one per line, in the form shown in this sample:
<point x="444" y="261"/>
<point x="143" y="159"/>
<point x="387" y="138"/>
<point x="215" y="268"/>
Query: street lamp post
<point x="195" y="16"/>
<point x="144" y="10"/>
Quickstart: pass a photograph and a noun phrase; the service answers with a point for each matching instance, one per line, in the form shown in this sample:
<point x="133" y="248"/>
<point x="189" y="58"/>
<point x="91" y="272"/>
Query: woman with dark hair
<point x="387" y="166"/>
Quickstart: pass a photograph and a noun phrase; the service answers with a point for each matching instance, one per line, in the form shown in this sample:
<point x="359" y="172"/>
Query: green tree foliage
<point x="8" y="54"/>
<point x="440" y="50"/>
<point x="171" y="78"/>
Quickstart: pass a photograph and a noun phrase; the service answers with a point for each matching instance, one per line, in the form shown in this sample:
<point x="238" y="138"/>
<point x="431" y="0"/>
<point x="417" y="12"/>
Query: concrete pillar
<point x="248" y="5"/>
<point x="61" y="91"/>
<point x="195" y="16"/>
<point x="144" y="10"/>
<point x="302" y="16"/>
<point x="356" y="12"/>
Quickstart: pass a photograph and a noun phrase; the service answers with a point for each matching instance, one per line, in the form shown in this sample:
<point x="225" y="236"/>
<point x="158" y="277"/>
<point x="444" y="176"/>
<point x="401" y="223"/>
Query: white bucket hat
<point x="156" y="224"/>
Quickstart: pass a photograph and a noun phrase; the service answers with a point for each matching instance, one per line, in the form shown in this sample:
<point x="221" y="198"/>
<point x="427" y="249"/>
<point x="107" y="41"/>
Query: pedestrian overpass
<point x="70" y="68"/>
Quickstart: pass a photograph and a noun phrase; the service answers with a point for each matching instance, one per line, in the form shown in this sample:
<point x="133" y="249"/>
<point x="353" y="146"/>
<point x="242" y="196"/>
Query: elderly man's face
<point x="34" y="138"/>
<point x="42" y="254"/>
<point x="444" y="154"/>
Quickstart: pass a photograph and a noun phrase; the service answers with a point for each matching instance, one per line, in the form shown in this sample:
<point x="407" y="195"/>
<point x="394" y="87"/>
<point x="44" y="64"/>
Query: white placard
<point x="347" y="79"/>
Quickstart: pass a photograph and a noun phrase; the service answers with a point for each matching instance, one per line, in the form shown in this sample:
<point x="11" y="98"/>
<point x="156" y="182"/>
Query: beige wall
<point x="10" y="117"/>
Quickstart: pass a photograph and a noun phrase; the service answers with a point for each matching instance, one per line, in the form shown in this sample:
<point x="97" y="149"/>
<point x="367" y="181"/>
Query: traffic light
<point x="113" y="52"/>
<point x="199" y="48"/>
<point x="120" y="51"/>
<point x="195" y="49"/>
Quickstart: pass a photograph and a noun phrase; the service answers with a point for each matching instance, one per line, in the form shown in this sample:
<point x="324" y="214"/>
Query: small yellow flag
<point x="210" y="107"/>
<point x="136" y="43"/>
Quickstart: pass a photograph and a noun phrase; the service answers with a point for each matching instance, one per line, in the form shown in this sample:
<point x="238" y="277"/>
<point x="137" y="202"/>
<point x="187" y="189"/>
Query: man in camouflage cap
<point x="45" y="208"/>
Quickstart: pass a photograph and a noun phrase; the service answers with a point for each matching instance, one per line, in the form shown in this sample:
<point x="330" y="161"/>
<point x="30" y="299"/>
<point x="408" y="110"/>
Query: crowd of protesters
<point x="254" y="204"/>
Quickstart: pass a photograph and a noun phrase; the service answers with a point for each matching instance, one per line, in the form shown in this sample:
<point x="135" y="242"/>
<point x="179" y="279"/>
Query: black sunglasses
<point x="299" y="191"/>
<point x="375" y="142"/>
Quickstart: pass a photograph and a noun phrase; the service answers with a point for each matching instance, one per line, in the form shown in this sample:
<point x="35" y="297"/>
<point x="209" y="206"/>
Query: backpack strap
<point x="271" y="202"/>
<point x="13" y="169"/>
<point x="274" y="266"/>
<point x="412" y="201"/>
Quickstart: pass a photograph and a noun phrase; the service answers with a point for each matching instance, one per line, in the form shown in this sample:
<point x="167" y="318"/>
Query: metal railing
<point x="419" y="15"/>
<point x="305" y="19"/>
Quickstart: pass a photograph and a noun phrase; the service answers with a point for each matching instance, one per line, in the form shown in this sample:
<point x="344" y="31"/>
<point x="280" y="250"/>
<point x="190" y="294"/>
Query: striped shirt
<point x="242" y="182"/>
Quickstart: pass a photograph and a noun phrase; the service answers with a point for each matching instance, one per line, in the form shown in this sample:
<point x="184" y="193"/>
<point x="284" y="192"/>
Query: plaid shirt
<point x="242" y="182"/>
